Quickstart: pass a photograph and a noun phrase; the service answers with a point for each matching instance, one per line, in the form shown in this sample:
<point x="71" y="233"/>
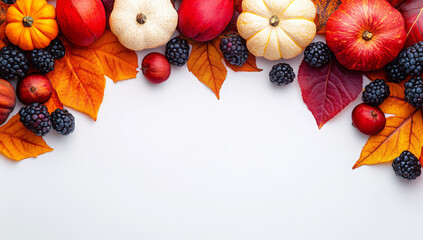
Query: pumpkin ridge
<point x="287" y="7"/>
<point x="268" y="39"/>
<point x="290" y="37"/>
<point x="257" y="15"/>
<point x="255" y="34"/>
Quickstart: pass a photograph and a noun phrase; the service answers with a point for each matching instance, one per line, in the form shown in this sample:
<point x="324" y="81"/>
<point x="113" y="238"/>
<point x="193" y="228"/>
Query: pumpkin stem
<point x="28" y="21"/>
<point x="141" y="18"/>
<point x="274" y="21"/>
<point x="367" y="35"/>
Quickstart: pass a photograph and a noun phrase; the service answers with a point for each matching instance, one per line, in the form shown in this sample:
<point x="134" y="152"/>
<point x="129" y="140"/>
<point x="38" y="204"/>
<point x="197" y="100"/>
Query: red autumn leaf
<point x="324" y="9"/>
<point x="329" y="89"/>
<point x="395" y="3"/>
<point x="412" y="11"/>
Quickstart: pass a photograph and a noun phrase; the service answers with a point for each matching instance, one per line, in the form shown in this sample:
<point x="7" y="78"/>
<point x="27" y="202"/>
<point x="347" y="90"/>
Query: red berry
<point x="368" y="119"/>
<point x="35" y="88"/>
<point x="155" y="67"/>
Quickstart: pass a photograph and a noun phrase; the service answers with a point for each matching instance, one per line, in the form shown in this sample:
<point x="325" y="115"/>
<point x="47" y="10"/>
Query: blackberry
<point x="395" y="71"/>
<point x="376" y="92"/>
<point x="177" y="51"/>
<point x="14" y="64"/>
<point x="56" y="49"/>
<point x="36" y="118"/>
<point x="234" y="49"/>
<point x="63" y="121"/>
<point x="411" y="59"/>
<point x="9" y="1"/>
<point x="42" y="60"/>
<point x="407" y="166"/>
<point x="414" y="92"/>
<point x="317" y="54"/>
<point x="282" y="74"/>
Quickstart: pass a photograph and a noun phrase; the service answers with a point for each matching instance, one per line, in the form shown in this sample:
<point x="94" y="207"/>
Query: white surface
<point x="170" y="161"/>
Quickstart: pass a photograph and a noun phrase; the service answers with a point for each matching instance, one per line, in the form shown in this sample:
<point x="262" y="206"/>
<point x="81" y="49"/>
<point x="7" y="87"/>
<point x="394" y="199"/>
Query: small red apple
<point x="155" y="67"/>
<point x="35" y="88"/>
<point x="368" y="119"/>
<point x="204" y="20"/>
<point x="365" y="35"/>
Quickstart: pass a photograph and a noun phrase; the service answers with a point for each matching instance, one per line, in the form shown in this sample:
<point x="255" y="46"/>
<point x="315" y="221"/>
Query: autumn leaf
<point x="119" y="63"/>
<point x="17" y="142"/>
<point x="79" y="79"/>
<point x="378" y="74"/>
<point x="403" y="131"/>
<point x="329" y="89"/>
<point x="324" y="9"/>
<point x="206" y="64"/>
<point x="412" y="12"/>
<point x="54" y="102"/>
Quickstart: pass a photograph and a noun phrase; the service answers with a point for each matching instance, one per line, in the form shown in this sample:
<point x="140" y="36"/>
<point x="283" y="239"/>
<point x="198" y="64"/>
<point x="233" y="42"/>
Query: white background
<point x="170" y="161"/>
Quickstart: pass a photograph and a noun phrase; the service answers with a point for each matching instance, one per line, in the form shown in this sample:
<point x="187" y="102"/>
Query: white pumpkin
<point x="143" y="24"/>
<point x="277" y="29"/>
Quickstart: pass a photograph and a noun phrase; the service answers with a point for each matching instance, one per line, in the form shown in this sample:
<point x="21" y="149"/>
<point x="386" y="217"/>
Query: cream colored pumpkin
<point x="277" y="29"/>
<point x="143" y="24"/>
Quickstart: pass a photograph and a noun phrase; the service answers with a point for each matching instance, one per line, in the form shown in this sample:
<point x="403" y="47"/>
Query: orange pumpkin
<point x="31" y="24"/>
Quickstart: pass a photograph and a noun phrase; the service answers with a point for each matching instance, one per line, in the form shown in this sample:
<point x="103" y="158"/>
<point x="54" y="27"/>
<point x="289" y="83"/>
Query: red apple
<point x="7" y="100"/>
<point x="81" y="21"/>
<point x="155" y="67"/>
<point x="204" y="20"/>
<point x="365" y="35"/>
<point x="35" y="88"/>
<point x="368" y="119"/>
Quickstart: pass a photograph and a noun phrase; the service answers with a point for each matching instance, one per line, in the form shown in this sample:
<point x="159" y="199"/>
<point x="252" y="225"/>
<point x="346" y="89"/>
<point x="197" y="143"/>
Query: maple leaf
<point x="402" y="132"/>
<point x="79" y="79"/>
<point x="17" y="142"/>
<point x="412" y="12"/>
<point x="119" y="63"/>
<point x="329" y="89"/>
<point x="54" y="102"/>
<point x="324" y="8"/>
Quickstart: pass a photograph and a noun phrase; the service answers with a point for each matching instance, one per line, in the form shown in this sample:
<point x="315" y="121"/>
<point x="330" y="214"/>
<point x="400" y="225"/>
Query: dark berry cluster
<point x="317" y="54"/>
<point x="177" y="51"/>
<point x="376" y="92"/>
<point x="63" y="121"/>
<point x="407" y="166"/>
<point x="36" y="118"/>
<point x="57" y="49"/>
<point x="42" y="60"/>
<point x="14" y="64"/>
<point x="282" y="74"/>
<point x="411" y="59"/>
<point x="396" y="72"/>
<point x="414" y="92"/>
<point x="234" y="49"/>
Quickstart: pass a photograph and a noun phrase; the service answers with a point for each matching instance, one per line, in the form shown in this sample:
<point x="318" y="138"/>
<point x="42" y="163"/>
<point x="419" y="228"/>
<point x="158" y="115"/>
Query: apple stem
<point x="274" y="21"/>
<point x="32" y="89"/>
<point x="367" y="35"/>
<point x="28" y="21"/>
<point x="373" y="113"/>
<point x="141" y="18"/>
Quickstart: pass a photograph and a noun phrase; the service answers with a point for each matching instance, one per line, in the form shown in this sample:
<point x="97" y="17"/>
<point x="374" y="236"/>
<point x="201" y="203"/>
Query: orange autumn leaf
<point x="403" y="131"/>
<point x="249" y="66"/>
<point x="119" y="63"/>
<point x="206" y="64"/>
<point x="17" y="142"/>
<point x="79" y="79"/>
<point x="324" y="9"/>
<point x="54" y="102"/>
<point x="378" y="74"/>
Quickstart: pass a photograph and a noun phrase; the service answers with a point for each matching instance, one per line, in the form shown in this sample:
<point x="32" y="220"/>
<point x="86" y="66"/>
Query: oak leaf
<point x="329" y="89"/>
<point x="119" y="63"/>
<point x="79" y="79"/>
<point x="17" y="142"/>
<point x="206" y="64"/>
<point x="412" y="12"/>
<point x="324" y="9"/>
<point x="403" y="131"/>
